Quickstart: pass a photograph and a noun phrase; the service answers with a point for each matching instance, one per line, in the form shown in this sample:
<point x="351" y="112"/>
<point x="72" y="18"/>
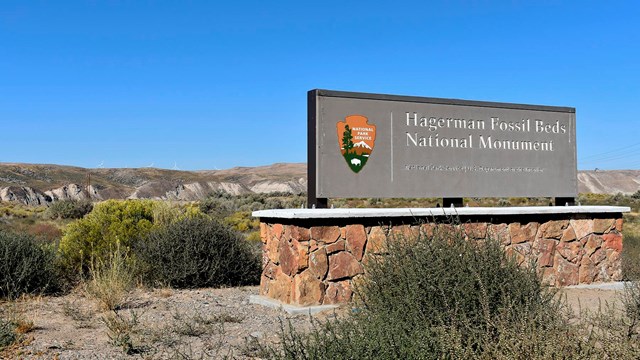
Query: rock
<point x="587" y="273"/>
<point x="276" y="231"/>
<point x="582" y="227"/>
<point x="377" y="240"/>
<point x="618" y="225"/>
<point x="273" y="251"/>
<point x="566" y="272"/>
<point x="264" y="232"/>
<point x="475" y="230"/>
<point x="548" y="276"/>
<point x="520" y="252"/>
<point x="553" y="229"/>
<point x="343" y="265"/>
<point x="325" y="234"/>
<point x="338" y="293"/>
<point x="307" y="289"/>
<point x="280" y="288"/>
<point x="601" y="226"/>
<point x="269" y="271"/>
<point x="571" y="251"/>
<point x="598" y="256"/>
<point x="356" y="240"/>
<point x="520" y="234"/>
<point x="499" y="232"/>
<point x="288" y="258"/>
<point x="335" y="247"/>
<point x="405" y="233"/>
<point x="546" y="249"/>
<point x="568" y="234"/>
<point x="612" y="241"/>
<point x="302" y="253"/>
<point x="24" y="194"/>
<point x="319" y="263"/>
<point x="593" y="243"/>
<point x="614" y="262"/>
<point x="301" y="233"/>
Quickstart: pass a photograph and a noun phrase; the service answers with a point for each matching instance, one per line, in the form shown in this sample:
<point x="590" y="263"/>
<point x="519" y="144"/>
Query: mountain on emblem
<point x="356" y="139"/>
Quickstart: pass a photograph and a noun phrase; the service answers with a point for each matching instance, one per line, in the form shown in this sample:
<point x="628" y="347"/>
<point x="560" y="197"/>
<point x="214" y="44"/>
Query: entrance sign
<point x="429" y="147"/>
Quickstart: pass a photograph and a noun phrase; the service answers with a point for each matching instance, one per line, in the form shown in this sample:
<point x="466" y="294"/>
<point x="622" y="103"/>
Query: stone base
<point x="311" y="260"/>
<point x="290" y="309"/>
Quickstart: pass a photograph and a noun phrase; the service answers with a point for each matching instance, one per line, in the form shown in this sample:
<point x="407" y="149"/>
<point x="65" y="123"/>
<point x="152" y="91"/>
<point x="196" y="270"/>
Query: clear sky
<point x="217" y="84"/>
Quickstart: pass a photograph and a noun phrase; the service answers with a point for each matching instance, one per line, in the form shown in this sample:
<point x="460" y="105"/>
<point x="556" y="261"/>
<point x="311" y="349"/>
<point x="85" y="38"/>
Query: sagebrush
<point x="197" y="252"/>
<point x="25" y="266"/>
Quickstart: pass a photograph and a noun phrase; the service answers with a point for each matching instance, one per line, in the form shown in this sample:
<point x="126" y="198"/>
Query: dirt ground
<point x="185" y="324"/>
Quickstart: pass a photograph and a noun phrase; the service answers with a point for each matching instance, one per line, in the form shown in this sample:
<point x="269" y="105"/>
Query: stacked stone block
<point x="310" y="265"/>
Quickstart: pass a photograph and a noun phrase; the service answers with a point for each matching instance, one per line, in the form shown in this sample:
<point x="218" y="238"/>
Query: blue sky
<point x="208" y="84"/>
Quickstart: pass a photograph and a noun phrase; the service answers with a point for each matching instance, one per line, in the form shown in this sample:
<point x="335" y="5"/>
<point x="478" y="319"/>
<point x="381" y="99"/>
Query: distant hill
<point x="609" y="181"/>
<point x="36" y="184"/>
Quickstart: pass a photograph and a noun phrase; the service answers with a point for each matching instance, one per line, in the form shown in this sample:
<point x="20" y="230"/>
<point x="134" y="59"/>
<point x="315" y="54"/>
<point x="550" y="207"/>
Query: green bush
<point x="69" y="209"/>
<point x="94" y="238"/>
<point x="25" y="266"/>
<point x="197" y="252"/>
<point x="444" y="297"/>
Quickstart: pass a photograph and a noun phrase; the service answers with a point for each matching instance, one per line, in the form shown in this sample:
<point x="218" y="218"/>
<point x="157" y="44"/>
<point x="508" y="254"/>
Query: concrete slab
<point x="617" y="286"/>
<point x="434" y="212"/>
<point x="291" y="309"/>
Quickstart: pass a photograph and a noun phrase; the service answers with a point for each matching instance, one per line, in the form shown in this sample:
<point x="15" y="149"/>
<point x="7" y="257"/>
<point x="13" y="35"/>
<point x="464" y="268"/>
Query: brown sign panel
<point x="427" y="147"/>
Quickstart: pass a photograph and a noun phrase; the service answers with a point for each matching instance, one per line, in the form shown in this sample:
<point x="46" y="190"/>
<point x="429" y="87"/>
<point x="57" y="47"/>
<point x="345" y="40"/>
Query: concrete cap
<point x="434" y="212"/>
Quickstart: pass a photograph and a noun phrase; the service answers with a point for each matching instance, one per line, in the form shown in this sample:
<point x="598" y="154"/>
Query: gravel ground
<point x="155" y="324"/>
<point x="183" y="324"/>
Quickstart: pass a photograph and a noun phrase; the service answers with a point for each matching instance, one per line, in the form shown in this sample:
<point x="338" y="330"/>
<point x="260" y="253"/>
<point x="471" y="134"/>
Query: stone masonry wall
<point x="311" y="265"/>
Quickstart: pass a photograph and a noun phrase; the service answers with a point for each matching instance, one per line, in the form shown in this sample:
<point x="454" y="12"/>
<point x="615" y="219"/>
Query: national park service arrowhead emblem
<point x="356" y="138"/>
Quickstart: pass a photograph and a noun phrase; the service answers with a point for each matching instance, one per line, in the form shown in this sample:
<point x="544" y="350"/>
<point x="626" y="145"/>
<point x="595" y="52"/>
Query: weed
<point x="121" y="330"/>
<point x="112" y="280"/>
<point x="197" y="324"/>
<point x="79" y="314"/>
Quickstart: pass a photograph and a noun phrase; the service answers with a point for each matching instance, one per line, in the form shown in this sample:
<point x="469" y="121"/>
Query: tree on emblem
<point x="347" y="139"/>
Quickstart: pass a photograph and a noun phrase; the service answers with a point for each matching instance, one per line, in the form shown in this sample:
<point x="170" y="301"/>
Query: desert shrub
<point x="631" y="256"/>
<point x="242" y="221"/>
<point x="7" y="333"/>
<point x="197" y="252"/>
<point x="444" y="297"/>
<point x="165" y="212"/>
<point x="221" y="204"/>
<point x="25" y="266"/>
<point x="111" y="224"/>
<point x="69" y="209"/>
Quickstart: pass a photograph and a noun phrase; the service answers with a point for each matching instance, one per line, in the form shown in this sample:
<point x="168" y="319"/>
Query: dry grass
<point x="111" y="281"/>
